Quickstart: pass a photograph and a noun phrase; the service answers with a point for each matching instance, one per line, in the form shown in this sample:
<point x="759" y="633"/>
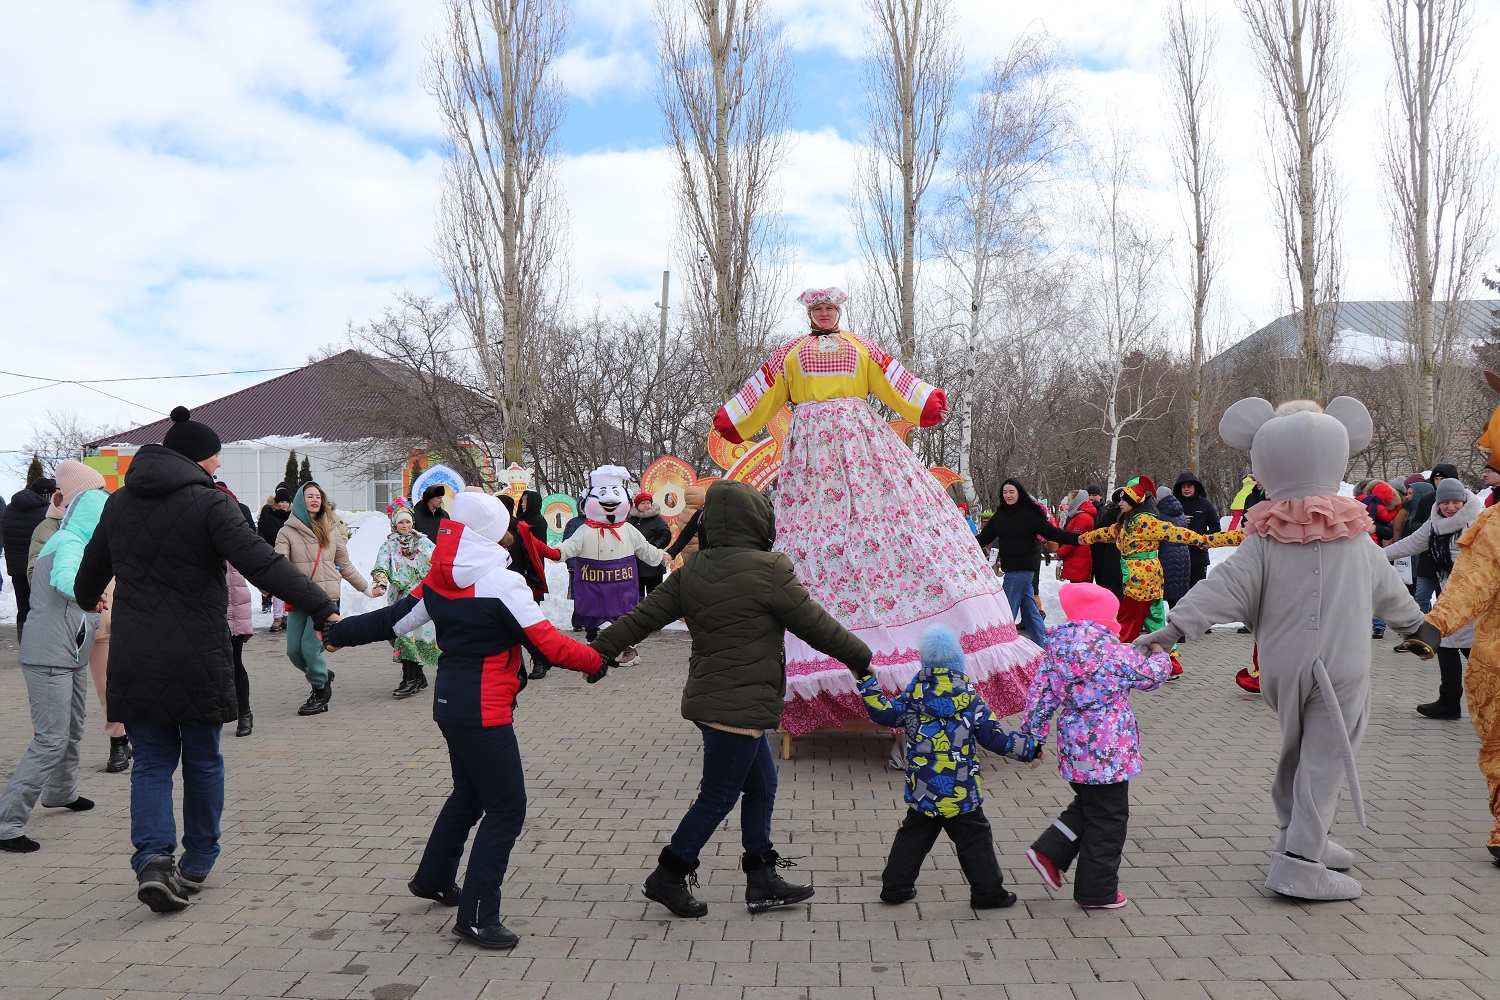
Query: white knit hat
<point x="481" y="513"/>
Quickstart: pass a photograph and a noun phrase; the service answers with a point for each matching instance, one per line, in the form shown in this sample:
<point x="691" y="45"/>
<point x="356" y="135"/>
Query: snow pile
<point x="367" y="530"/>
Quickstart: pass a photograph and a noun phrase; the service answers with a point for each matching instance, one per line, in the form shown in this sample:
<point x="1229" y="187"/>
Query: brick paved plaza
<point x="326" y="817"/>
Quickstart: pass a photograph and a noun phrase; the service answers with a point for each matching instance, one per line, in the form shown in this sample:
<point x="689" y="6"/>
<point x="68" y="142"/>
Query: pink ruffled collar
<point x="1309" y="519"/>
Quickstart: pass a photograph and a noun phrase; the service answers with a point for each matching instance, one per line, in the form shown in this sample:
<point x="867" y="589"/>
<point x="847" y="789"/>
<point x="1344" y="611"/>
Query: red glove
<point x="935" y="409"/>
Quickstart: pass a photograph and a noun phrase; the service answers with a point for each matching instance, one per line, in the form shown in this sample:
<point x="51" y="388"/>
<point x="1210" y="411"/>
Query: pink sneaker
<point x="1118" y="904"/>
<point x="1046" y="869"/>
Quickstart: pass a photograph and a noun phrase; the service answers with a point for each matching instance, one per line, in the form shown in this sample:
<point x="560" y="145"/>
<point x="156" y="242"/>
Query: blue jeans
<point x="153" y="828"/>
<point x="1426" y="588"/>
<point x="735" y="769"/>
<point x="1018" y="591"/>
<point x="489" y="789"/>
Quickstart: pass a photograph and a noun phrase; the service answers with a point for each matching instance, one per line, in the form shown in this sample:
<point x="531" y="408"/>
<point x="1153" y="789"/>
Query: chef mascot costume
<point x="606" y="584"/>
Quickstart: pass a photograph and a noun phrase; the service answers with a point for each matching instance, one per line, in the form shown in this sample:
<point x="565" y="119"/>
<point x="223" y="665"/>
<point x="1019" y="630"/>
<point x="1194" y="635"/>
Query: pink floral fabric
<point x="1085" y="678"/>
<point x="878" y="543"/>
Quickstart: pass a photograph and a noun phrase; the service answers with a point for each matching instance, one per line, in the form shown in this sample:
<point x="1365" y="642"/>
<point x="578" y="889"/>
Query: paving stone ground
<point x="327" y="816"/>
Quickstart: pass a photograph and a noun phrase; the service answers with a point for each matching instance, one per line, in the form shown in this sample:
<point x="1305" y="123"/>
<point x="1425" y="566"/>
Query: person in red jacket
<point x="1383" y="506"/>
<point x="484" y="616"/>
<point x="1078" y="560"/>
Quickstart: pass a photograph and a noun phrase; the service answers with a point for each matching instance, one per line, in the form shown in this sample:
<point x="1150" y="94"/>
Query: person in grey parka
<point x="1307" y="579"/>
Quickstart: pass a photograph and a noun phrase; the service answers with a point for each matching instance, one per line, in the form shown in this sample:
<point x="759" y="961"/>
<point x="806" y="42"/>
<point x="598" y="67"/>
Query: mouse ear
<point x="1239" y="423"/>
<point x="1356" y="420"/>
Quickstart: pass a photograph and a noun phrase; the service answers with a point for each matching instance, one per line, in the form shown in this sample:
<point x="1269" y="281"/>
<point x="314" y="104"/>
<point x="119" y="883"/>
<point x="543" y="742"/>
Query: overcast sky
<point x="213" y="185"/>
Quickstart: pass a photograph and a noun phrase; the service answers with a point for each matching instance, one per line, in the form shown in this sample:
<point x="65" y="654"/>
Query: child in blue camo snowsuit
<point x="944" y="717"/>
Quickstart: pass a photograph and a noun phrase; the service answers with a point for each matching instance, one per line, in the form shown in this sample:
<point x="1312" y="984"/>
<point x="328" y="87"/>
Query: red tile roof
<point x="301" y="402"/>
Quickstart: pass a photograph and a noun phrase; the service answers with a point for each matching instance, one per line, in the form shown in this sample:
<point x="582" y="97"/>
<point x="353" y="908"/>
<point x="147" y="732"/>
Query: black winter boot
<point x="159" y="887"/>
<point x="539" y="669"/>
<point x="316" y="702"/>
<point x="668" y="885"/>
<point x="119" y="755"/>
<point x="765" y="889"/>
<point x="408" y="685"/>
<point x="418" y="678"/>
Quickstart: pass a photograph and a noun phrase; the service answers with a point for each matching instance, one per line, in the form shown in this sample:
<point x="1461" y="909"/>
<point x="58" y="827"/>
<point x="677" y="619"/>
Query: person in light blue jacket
<point x="54" y="660"/>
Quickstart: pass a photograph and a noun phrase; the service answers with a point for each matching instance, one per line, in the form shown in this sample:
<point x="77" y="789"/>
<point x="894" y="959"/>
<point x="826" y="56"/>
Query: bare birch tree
<point x="1012" y="135"/>
<point x="724" y="97"/>
<point x="913" y="68"/>
<point x="1188" y="53"/>
<point x="1297" y="45"/>
<point x="1124" y="301"/>
<point x="1437" y="185"/>
<point x="501" y="225"/>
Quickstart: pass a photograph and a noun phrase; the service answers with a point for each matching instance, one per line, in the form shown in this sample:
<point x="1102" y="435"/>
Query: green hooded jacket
<point x="739" y="599"/>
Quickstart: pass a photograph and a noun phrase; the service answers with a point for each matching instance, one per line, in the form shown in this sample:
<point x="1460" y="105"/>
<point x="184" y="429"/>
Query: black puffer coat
<point x="21" y="516"/>
<point x="1202" y="516"/>
<point x="655" y="529"/>
<point x="1107" y="570"/>
<point x="1013" y="530"/>
<point x="165" y="537"/>
<point x="272" y="520"/>
<point x="1176" y="566"/>
<point x="740" y="599"/>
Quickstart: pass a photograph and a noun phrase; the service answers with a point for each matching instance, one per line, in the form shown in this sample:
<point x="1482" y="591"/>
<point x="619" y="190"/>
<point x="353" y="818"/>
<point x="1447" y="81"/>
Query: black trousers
<point x="1092" y="830"/>
<point x="22" y="589"/>
<point x="1197" y="565"/>
<point x="241" y="678"/>
<point x="489" y="788"/>
<point x="972" y="840"/>
<point x="1451" y="675"/>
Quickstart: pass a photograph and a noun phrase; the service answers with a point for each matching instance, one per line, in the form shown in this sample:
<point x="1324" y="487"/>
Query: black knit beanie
<point x="188" y="437"/>
<point x="283" y="495"/>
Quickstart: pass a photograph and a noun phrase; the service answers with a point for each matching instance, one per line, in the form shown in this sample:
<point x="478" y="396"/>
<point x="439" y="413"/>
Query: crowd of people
<point x="802" y="612"/>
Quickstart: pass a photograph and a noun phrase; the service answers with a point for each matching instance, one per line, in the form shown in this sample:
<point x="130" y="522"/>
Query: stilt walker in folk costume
<point x="872" y="535"/>
<point x="606" y="584"/>
<point x="1308" y="580"/>
<point x="1472" y="594"/>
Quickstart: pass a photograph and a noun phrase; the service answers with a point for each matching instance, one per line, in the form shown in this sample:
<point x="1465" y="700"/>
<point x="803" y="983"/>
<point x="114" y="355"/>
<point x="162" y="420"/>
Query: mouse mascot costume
<point x="606" y="580"/>
<point x="1308" y="580"/>
<point x="1472" y="594"/>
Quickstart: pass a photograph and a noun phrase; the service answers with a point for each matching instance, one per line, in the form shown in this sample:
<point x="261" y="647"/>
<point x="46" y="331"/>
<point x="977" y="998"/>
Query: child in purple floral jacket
<point x="1085" y="678"/>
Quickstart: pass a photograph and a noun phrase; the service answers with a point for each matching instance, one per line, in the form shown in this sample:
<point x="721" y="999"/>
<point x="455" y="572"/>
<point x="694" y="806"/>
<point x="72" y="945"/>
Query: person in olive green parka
<point x="740" y="599"/>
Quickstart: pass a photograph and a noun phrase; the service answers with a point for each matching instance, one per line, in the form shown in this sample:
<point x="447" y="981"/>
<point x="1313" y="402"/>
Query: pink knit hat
<point x="74" y="478"/>
<point x="1089" y="602"/>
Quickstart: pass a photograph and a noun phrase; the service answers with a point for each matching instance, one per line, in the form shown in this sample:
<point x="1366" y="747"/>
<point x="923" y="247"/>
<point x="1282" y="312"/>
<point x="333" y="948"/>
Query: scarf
<point x="612" y="528"/>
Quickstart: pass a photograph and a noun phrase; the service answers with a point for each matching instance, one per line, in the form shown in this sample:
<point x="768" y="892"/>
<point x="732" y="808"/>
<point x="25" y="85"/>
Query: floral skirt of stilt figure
<point x="885" y="550"/>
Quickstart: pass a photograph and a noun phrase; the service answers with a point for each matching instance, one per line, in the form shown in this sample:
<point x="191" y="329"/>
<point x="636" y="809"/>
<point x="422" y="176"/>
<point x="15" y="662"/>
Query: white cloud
<point x="586" y="75"/>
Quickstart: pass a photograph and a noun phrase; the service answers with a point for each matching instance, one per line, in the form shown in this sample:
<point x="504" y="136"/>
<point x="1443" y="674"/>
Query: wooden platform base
<point x="853" y="726"/>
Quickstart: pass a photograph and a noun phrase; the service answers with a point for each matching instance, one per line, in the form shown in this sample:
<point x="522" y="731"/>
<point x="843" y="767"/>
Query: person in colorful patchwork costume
<point x="609" y="550"/>
<point x="1137" y="535"/>
<point x="852" y="504"/>
<point x="944" y="718"/>
<point x="1307" y="580"/>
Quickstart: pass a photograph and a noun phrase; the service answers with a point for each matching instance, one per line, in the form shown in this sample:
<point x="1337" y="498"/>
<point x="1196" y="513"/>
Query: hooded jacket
<point x="272" y="520"/>
<point x="944" y="717"/>
<point x="18" y="520"/>
<point x="484" y="614"/>
<point x="1085" y="679"/>
<point x="1176" y="558"/>
<point x="1078" y="560"/>
<point x="739" y="599"/>
<point x="59" y="633"/>
<point x="165" y="537"/>
<point x="324" y="564"/>
<point x="1202" y="516"/>
<point x="1013" y="530"/>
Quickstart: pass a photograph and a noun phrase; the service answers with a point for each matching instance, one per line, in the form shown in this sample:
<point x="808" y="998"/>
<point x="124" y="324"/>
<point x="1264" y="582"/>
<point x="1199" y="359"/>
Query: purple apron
<point x="605" y="589"/>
